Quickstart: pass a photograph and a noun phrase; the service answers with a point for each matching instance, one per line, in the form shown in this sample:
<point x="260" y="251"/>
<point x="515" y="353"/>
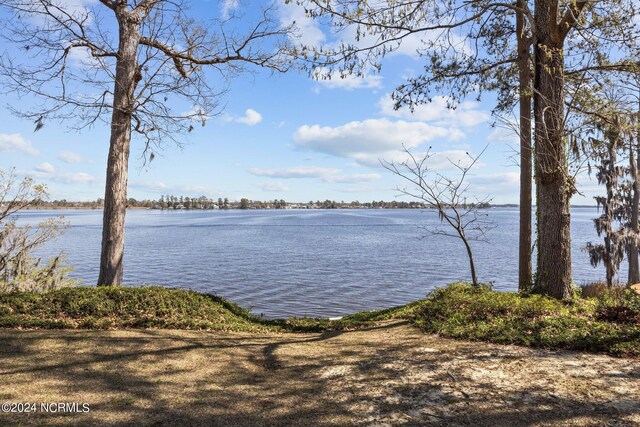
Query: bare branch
<point x="448" y="196"/>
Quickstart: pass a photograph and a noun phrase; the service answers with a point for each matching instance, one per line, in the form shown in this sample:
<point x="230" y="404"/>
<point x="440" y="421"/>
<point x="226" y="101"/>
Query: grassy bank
<point x="608" y="323"/>
<point x="122" y="307"/>
<point x="109" y="307"/>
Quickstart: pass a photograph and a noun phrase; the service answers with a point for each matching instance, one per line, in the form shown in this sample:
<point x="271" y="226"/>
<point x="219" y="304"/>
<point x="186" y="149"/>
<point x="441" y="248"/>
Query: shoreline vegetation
<point x="259" y="205"/>
<point x="606" y="323"/>
<point x="205" y="203"/>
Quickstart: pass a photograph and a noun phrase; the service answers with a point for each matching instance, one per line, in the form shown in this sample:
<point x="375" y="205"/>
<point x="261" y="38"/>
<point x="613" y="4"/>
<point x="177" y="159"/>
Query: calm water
<point x="303" y="263"/>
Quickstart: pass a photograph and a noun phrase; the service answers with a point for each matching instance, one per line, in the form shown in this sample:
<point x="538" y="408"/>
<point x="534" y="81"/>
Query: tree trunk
<point x="525" y="273"/>
<point x="554" y="238"/>
<point x="634" y="268"/>
<point x="115" y="198"/>
<point x="474" y="277"/>
<point x="608" y="210"/>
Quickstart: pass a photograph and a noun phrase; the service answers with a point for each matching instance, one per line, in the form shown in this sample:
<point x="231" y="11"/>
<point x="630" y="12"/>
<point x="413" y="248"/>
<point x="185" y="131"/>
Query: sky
<point x="281" y="136"/>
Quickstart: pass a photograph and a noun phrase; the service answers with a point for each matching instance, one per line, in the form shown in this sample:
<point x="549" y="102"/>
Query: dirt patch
<point x="390" y="374"/>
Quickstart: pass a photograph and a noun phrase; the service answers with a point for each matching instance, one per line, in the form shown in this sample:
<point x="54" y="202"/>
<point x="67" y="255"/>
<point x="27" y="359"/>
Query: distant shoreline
<point x="141" y="208"/>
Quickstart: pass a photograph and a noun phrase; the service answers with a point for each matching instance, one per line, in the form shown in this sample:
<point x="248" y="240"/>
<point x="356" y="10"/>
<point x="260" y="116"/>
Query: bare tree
<point x="18" y="268"/>
<point x="141" y="66"/>
<point x="466" y="221"/>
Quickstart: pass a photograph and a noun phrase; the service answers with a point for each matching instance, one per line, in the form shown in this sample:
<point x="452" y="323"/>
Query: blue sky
<point x="280" y="136"/>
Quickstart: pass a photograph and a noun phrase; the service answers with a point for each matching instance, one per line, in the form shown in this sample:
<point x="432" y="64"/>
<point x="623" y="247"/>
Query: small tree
<point x="609" y="173"/>
<point x="18" y="268"/>
<point x="449" y="197"/>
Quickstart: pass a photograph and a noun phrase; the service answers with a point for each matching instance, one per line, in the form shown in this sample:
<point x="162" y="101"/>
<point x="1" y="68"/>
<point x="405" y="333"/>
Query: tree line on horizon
<point x="517" y="50"/>
<point x="207" y="203"/>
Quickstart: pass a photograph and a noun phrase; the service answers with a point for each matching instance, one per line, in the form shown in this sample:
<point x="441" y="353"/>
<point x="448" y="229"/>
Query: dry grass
<point x="389" y="374"/>
<point x="594" y="289"/>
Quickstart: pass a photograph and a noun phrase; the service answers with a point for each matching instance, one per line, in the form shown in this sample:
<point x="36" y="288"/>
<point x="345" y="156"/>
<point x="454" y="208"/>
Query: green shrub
<point x="478" y="313"/>
<point x="619" y="304"/>
<point x="112" y="306"/>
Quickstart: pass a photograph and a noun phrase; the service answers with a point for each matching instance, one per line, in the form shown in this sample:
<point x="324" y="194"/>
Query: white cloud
<point x="309" y="32"/>
<point x="334" y="80"/>
<point x="200" y="190"/>
<point x="362" y="189"/>
<point x="295" y="172"/>
<point x="438" y="161"/>
<point x="71" y="157"/>
<point x="81" y="56"/>
<point x="15" y="142"/>
<point x="504" y="134"/>
<point x="78" y="10"/>
<point x="61" y="177"/>
<point x="72" y="178"/>
<point x="412" y="44"/>
<point x="75" y="6"/>
<point x="466" y="114"/>
<point x="227" y="7"/>
<point x="370" y="140"/>
<point x="160" y="187"/>
<point x="251" y="117"/>
<point x="274" y="186"/>
<point x="45" y="167"/>
<point x="509" y="179"/>
<point x="46" y="171"/>
<point x="501" y="185"/>
<point x="148" y="185"/>
<point x="353" y="178"/>
<point x="329" y="175"/>
<point x="197" y="114"/>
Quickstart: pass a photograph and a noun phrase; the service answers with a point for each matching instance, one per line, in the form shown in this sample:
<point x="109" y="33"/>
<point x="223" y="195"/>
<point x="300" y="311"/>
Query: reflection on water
<point x="314" y="263"/>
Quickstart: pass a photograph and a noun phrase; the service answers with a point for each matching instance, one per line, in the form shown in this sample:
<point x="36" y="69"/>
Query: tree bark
<point x="554" y="238"/>
<point x="634" y="163"/>
<point x="115" y="198"/>
<point x="474" y="277"/>
<point x="608" y="209"/>
<point x="525" y="271"/>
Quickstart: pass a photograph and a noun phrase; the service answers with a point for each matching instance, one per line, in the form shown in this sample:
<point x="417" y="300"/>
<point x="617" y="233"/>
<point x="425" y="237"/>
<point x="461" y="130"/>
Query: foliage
<point x="352" y="321"/>
<point x="478" y="313"/>
<point x="619" y="304"/>
<point x="19" y="270"/>
<point x="612" y="150"/>
<point x="118" y="307"/>
<point x="107" y="307"/>
<point x="607" y="323"/>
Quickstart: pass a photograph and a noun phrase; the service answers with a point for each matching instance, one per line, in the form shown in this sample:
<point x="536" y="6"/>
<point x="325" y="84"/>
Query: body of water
<point x="304" y="262"/>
